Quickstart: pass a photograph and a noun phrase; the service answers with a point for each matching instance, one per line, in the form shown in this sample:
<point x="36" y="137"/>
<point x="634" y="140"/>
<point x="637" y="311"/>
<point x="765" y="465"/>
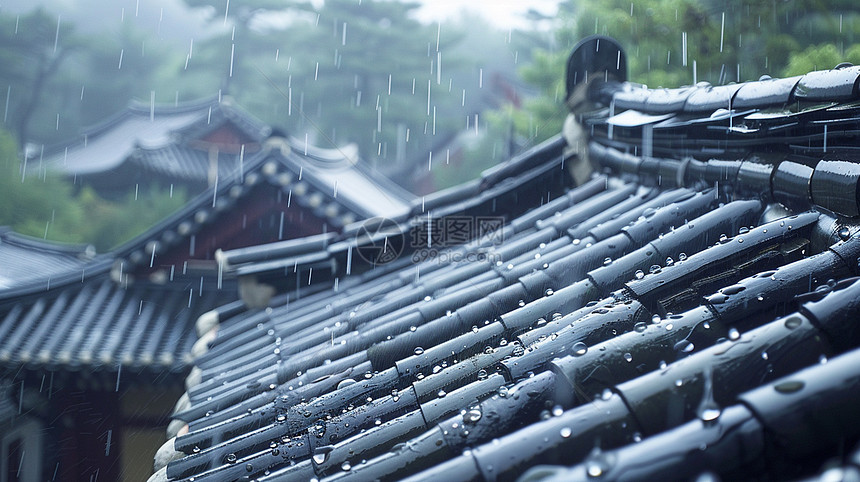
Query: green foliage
<point x="671" y="43"/>
<point x="820" y="57"/>
<point x="36" y="203"/>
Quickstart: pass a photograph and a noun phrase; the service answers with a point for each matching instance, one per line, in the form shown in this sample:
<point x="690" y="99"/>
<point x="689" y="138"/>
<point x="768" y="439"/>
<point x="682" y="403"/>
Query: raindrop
<point x="793" y="322"/>
<point x="566" y="432"/>
<point x="579" y="348"/>
<point x="637" y="437"/>
<point x="682" y="257"/>
<point x="472" y="416"/>
<point x="557" y="411"/>
<point x="549" y="292"/>
<point x="708" y="410"/>
<point x="596" y="464"/>
<point x="740" y="240"/>
<point x="684" y="346"/>
<point x="418" y="351"/>
<point x="345" y="466"/>
<point x="790" y="386"/>
<point x="723" y="238"/>
<point x="655" y="268"/>
<point x="656" y="319"/>
<point x="663" y="364"/>
<point x="822" y="359"/>
<point x="844" y="233"/>
<point x="249" y="468"/>
<point x="231" y="458"/>
<point x="764" y="355"/>
<point x="606" y="394"/>
<point x="576" y="241"/>
<point x="412" y="328"/>
<point x="503" y="342"/>
<point x="670" y="261"/>
<point x="734" y="334"/>
<point x="474" y="328"/>
<point x="640" y="327"/>
<point x="639" y="274"/>
<point x="628" y="357"/>
<point x="482" y="374"/>
<point x="607" y="261"/>
<point x="321" y="454"/>
<point x="442" y="394"/>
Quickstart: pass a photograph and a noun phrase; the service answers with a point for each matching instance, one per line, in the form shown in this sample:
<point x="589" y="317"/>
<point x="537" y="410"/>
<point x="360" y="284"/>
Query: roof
<point x="703" y="309"/>
<point x="174" y="143"/>
<point x="97" y="325"/>
<point x="26" y="260"/>
<point x="150" y="129"/>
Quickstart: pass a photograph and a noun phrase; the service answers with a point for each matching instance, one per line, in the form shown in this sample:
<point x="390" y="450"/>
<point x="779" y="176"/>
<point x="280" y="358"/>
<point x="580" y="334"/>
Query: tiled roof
<point x="674" y="316"/>
<point x="95" y="324"/>
<point x="149" y="127"/>
<point x="25" y="260"/>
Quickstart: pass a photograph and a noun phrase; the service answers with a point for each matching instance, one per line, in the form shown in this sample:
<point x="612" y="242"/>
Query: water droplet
<point x="557" y="411"/>
<point x="655" y="268"/>
<point x="442" y="394"/>
<point x="474" y="328"/>
<point x="231" y="458"/>
<point x="412" y="328"/>
<point x="639" y="274"/>
<point x="596" y="464"/>
<point x="576" y="241"/>
<point x="249" y="468"/>
<point x="607" y="261"/>
<point x="321" y="454"/>
<point x="822" y="359"/>
<point x="579" y="348"/>
<point x="565" y="432"/>
<point x="682" y="257"/>
<point x="764" y="355"/>
<point x="740" y="240"/>
<point x="723" y="238"/>
<point x="482" y="374"/>
<point x="503" y="392"/>
<point x="637" y="437"/>
<point x="628" y="357"/>
<point x="196" y="449"/>
<point x="606" y="394"/>
<point x="656" y="319"/>
<point x="669" y="326"/>
<point x="844" y="233"/>
<point x="734" y="334"/>
<point x="418" y="351"/>
<point x="663" y="364"/>
<point x="708" y="410"/>
<point x="472" y="416"/>
<point x="793" y="322"/>
<point x="549" y="292"/>
<point x="684" y="346"/>
<point x="670" y="261"/>
<point x="345" y="466"/>
<point x="503" y="342"/>
<point x="640" y="327"/>
<point x="281" y="417"/>
<point x="679" y="382"/>
<point x="790" y="386"/>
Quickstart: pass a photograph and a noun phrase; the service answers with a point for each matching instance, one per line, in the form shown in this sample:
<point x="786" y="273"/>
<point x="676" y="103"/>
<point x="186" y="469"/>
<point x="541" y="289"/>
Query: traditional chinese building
<point x="94" y="348"/>
<point x="688" y="309"/>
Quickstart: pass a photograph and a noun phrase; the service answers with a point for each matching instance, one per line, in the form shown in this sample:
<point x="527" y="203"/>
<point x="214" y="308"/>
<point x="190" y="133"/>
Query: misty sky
<point x="173" y="18"/>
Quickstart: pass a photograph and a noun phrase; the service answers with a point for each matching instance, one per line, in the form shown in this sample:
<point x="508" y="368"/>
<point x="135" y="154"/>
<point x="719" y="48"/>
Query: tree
<point x="32" y="48"/>
<point x="671" y="43"/>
